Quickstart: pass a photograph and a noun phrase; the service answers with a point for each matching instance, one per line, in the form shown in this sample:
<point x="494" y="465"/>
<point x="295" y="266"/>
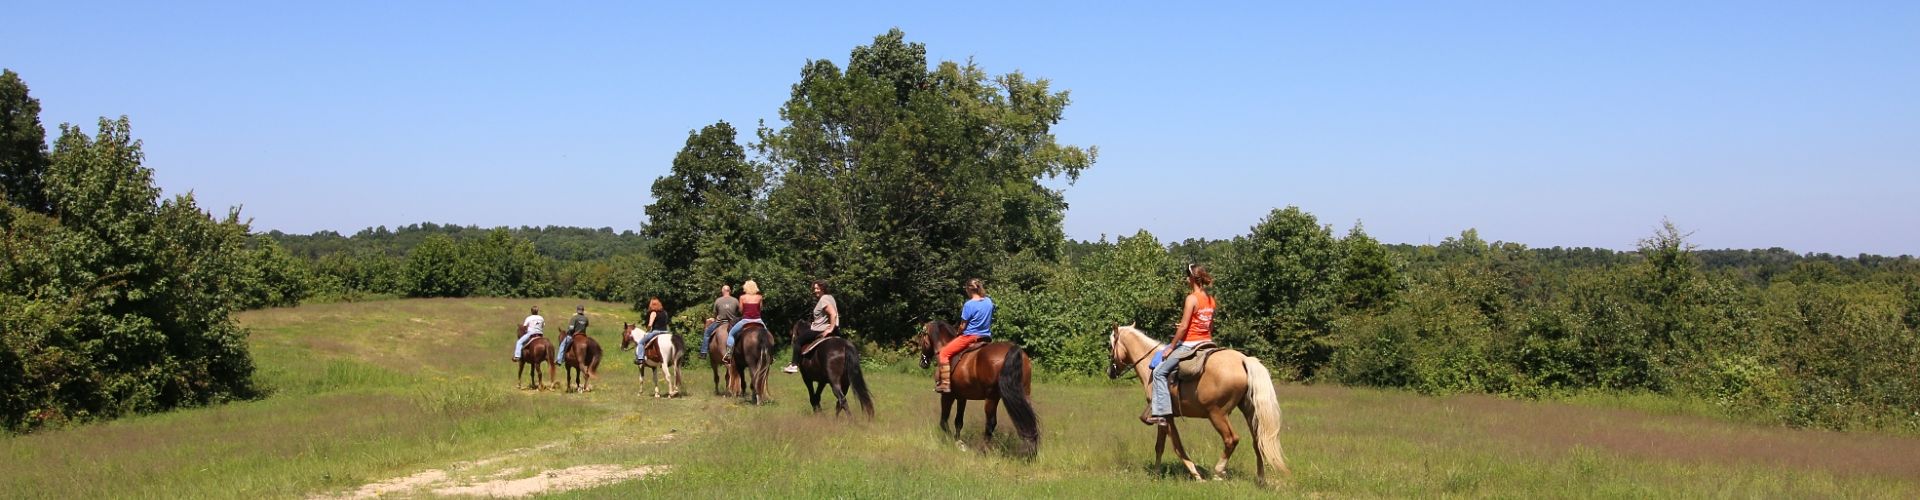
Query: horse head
<point x="626" y="335"/>
<point x="1120" y="358"/>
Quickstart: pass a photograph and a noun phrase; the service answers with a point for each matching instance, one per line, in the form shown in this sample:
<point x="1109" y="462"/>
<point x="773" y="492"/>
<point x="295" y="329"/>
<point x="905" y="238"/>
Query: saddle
<point x="975" y="346"/>
<point x="816" y="343"/>
<point x="1194" y="364"/>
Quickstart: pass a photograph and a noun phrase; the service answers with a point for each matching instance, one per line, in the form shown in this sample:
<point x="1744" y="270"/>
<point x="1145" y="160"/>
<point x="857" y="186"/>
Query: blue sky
<point x="1752" y="124"/>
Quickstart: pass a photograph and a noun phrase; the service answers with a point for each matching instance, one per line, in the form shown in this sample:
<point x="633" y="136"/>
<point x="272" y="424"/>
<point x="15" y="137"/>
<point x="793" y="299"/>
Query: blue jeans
<point x="640" y="351"/>
<point x="707" y="335"/>
<point x="733" y="335"/>
<point x="560" y="355"/>
<point x="1161" y="404"/>
<point x="521" y="344"/>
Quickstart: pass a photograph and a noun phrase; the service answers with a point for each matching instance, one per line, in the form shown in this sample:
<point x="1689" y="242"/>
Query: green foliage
<point x="899" y="180"/>
<point x="435" y="269"/>
<point x="119" y="302"/>
<point x="23" y="145"/>
<point x="704" y="217"/>
<point x="1281" y="290"/>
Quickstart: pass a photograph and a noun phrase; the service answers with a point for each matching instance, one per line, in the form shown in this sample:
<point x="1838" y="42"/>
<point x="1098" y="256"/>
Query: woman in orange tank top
<point x="1195" y="328"/>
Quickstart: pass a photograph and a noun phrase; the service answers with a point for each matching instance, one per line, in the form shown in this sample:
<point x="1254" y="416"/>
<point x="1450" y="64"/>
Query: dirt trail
<point x="511" y="482"/>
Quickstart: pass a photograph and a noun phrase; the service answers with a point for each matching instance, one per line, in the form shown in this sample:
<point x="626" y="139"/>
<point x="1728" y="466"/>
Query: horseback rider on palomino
<point x="1196" y="327"/>
<point x="657" y="321"/>
<point x="726" y="309"/>
<point x="750" y="300"/>
<point x="977" y="313"/>
<point x="578" y="325"/>
<point x="826" y="322"/>
<point x="531" y="327"/>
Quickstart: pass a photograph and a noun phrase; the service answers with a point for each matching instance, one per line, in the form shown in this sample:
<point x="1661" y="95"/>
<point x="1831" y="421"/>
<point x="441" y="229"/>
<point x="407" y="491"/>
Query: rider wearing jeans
<point x="657" y="324"/>
<point x="978" y="314"/>
<point x="1196" y="327"/>
<point x="578" y="325"/>
<point x="529" y="328"/>
<point x="749" y="313"/>
<point x="726" y="309"/>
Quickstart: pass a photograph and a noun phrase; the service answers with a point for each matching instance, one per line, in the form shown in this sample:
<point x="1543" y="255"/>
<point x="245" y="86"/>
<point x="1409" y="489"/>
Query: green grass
<point x="363" y="392"/>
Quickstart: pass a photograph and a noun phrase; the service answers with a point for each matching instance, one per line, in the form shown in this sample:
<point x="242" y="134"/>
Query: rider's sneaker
<point x="791" y="369"/>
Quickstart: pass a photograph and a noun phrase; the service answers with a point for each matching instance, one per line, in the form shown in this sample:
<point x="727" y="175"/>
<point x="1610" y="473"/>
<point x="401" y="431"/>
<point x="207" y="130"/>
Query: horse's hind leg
<point x="813" y="393"/>
<point x="839" y="397"/>
<point x="1227" y="439"/>
<point x="993" y="415"/>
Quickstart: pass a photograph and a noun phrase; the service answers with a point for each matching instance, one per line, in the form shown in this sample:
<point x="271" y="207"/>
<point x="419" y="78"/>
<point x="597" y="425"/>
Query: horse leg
<point x="813" y="393"/>
<point x="839" y="397"/>
<point x="1227" y="440"/>
<point x="1181" y="450"/>
<point x="993" y="415"/>
<point x="520" y="372"/>
<point x="946" y="413"/>
<point x="959" y="415"/>
<point x="1159" y="444"/>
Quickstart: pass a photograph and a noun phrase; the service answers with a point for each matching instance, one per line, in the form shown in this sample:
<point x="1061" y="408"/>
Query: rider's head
<point x="750" y="287"/>
<point x="1197" y="275"/>
<point x="653" y="305"/>
<point x="820" y="287"/>
<point x="580" y="308"/>
<point x="726" y="290"/>
<point x="536" y="309"/>
<point x="976" y="288"/>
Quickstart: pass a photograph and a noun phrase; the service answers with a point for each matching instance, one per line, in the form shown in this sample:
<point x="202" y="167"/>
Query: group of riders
<point x="1195" y="328"/>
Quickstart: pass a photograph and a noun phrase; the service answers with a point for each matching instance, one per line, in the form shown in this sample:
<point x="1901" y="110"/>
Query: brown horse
<point x="834" y="363"/>
<point x="997" y="372"/>
<point x="583" y="362"/>
<point x="1231" y="380"/>
<point x="752" y="359"/>
<point x="717" y="357"/>
<point x="665" y="355"/>
<point x="536" y="352"/>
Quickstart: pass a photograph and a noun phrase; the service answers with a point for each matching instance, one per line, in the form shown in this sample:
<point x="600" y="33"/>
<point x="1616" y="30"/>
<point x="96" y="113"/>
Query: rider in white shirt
<point x="531" y="327"/>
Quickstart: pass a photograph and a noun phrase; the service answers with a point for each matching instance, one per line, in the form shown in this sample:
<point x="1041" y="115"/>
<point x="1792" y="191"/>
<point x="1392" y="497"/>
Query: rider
<point x="749" y="313"/>
<point x="726" y="309"/>
<point x="1196" y="327"/>
<point x="529" y="328"/>
<point x="826" y="321"/>
<point x="578" y="325"/>
<point x="656" y="325"/>
<point x="978" y="314"/>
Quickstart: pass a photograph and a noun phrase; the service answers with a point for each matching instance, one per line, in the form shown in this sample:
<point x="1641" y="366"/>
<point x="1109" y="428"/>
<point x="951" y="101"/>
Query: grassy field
<point x="417" y="395"/>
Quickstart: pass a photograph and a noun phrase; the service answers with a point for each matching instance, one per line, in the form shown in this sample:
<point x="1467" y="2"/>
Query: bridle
<point x="1113" y="351"/>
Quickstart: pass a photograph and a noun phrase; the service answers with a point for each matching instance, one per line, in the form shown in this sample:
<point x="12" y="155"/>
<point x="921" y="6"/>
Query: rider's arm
<point x="1180" y="331"/>
<point x="833" y="317"/>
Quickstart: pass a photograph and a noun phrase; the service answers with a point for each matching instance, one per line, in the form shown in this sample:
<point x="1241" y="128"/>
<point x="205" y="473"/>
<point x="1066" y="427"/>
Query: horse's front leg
<point x="959" y="415"/>
<point x="946" y="413"/>
<point x="1159" y="444"/>
<point x="1181" y="450"/>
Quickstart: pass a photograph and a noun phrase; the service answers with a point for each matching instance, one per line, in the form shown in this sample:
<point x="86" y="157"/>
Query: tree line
<point x="895" y="179"/>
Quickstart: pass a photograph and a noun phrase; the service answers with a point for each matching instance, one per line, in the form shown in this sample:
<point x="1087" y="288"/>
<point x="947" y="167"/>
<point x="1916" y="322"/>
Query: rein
<point x="1143" y="359"/>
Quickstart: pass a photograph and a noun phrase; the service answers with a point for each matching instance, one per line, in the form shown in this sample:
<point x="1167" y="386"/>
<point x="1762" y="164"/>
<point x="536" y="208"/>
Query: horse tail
<point x="1264" y="419"/>
<point x="1013" y="392"/>
<point x="859" y="383"/>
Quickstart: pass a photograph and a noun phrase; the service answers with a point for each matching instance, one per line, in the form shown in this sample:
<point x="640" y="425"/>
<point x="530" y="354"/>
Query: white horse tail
<point x="1262" y="408"/>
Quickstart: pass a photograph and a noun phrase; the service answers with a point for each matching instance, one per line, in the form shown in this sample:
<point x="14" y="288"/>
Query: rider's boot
<point x="944" y="380"/>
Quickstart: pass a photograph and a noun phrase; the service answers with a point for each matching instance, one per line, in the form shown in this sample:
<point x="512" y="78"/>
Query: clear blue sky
<point x="1753" y="124"/>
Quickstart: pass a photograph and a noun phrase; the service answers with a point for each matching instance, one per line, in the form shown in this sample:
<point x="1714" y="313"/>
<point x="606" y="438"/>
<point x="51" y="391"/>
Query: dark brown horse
<point x="752" y="359"/>
<point x="536" y="352"/>
<point x="997" y="372"/>
<point x="583" y="362"/>
<point x="834" y="363"/>
<point x="717" y="357"/>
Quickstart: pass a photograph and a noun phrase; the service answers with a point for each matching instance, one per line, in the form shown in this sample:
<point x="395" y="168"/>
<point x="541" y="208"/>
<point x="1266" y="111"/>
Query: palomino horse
<point x="1231" y="380"/>
<point x="998" y="371"/>
<point x="833" y="363"/>
<point x="537" y="351"/>
<point x="583" y="362"/>
<point x="717" y="357"/>
<point x="752" y="359"/>
<point x="665" y="355"/>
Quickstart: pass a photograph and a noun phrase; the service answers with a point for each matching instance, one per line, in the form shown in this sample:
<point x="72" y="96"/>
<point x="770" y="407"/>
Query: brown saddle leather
<point x="815" y="343"/>
<point x="1194" y="364"/>
<point x="975" y="346"/>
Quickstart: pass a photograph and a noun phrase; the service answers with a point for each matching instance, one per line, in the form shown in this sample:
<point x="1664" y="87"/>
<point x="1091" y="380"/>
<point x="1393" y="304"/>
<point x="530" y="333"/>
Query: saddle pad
<point x="975" y="346"/>
<point x="1195" y="364"/>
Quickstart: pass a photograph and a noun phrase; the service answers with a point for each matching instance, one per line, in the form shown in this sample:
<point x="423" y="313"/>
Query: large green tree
<point x="704" y="216"/>
<point x="1282" y="290"/>
<point x="23" y="145"/>
<point x="900" y="180"/>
